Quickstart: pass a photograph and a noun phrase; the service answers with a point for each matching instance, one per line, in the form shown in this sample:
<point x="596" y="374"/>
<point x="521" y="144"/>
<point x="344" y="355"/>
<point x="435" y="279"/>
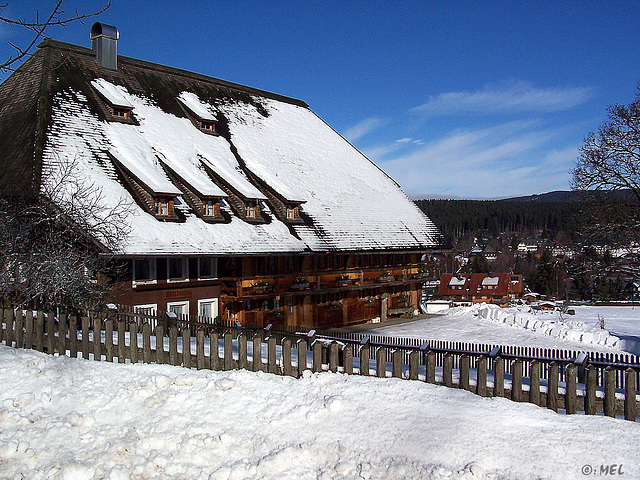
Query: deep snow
<point x="70" y="419"/>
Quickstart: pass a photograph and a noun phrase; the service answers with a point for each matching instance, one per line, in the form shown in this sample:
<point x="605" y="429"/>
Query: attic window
<point x="253" y="210"/>
<point x="163" y="207"/>
<point x="207" y="126"/>
<point x="211" y="208"/>
<point x="122" y="112"/>
<point x="292" y="212"/>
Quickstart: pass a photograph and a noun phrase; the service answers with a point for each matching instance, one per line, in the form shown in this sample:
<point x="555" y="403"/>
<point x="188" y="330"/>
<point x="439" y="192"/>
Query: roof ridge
<point x="77" y="49"/>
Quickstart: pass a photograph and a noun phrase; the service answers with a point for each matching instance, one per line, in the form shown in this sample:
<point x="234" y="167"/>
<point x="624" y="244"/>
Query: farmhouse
<point x="496" y="288"/>
<point x="245" y="204"/>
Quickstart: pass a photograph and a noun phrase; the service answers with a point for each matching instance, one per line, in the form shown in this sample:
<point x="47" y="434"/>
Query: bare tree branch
<point x="57" y="17"/>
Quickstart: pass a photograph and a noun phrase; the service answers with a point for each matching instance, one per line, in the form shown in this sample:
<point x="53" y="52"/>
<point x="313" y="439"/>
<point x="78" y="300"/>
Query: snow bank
<point x="63" y="418"/>
<point x="551" y="324"/>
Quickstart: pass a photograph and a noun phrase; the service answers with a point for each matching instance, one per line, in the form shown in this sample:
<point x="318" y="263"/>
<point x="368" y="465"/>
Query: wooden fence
<point x="561" y="383"/>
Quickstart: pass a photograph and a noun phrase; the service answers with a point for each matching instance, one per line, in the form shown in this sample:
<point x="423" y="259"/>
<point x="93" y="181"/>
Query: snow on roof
<point x="112" y="93"/>
<point x="193" y="103"/>
<point x="490" y="281"/>
<point x="350" y="203"/>
<point x="457" y="282"/>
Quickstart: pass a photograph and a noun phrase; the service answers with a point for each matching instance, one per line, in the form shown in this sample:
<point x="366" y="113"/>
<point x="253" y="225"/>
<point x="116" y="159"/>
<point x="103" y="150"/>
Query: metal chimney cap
<point x="102" y="30"/>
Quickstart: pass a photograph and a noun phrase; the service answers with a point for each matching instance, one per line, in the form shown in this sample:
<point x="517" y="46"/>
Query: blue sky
<point x="452" y="99"/>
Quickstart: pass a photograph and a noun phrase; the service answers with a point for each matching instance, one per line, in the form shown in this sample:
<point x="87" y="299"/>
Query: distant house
<point x="246" y="205"/>
<point x="497" y="288"/>
<point x="485" y="251"/>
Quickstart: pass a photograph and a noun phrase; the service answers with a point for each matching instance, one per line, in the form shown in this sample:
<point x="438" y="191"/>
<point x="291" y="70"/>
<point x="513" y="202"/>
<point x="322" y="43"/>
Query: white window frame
<point x="183" y="303"/>
<point x="213" y="301"/>
<point x="152" y="270"/>
<point x="185" y="270"/>
<point x="214" y="268"/>
<point x="146" y="306"/>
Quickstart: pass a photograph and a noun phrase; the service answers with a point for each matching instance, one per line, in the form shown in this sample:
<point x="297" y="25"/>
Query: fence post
<point x="317" y="356"/>
<point x="85" y="337"/>
<point x="228" y="351"/>
<point x="108" y="339"/>
<point x="173" y="346"/>
<point x="590" y="390"/>
<point x="570" y="398"/>
<point x="214" y="353"/>
<point x="62" y="334"/>
<point x="430" y="376"/>
<point x="287" y="369"/>
<point x="464" y="372"/>
<point x="365" y="356"/>
<point x="200" y="349"/>
<point x="97" y="341"/>
<point x="347" y="354"/>
<point x="481" y="384"/>
<point x="552" y="387"/>
<point x="414" y="358"/>
<point x="9" y="328"/>
<point x="302" y="356"/>
<point x="630" y="408"/>
<point x="610" y="392"/>
<point x="73" y="336"/>
<point x="51" y="323"/>
<point x="257" y="352"/>
<point x="121" y="342"/>
<point x="534" y="382"/>
<point x="243" y="362"/>
<point x="447" y="370"/>
<point x="186" y="347"/>
<point x="19" y="334"/>
<point x="381" y="362"/>
<point x="159" y="344"/>
<point x="39" y="330"/>
<point x="29" y="330"/>
<point x="333" y="356"/>
<point x="3" y="314"/>
<point x="396" y="370"/>
<point x="146" y="343"/>
<point x="133" y="342"/>
<point x="498" y="377"/>
<point x="272" y="366"/>
<point x="516" y="381"/>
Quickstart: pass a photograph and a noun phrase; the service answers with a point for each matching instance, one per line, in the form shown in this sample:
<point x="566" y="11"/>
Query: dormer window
<point x="208" y="126"/>
<point x="122" y="112"/>
<point x="292" y="212"/>
<point x="253" y="210"/>
<point x="211" y="208"/>
<point x="164" y="207"/>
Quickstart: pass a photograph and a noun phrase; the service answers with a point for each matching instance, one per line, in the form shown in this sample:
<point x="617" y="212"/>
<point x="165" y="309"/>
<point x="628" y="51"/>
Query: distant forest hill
<point x="550" y="213"/>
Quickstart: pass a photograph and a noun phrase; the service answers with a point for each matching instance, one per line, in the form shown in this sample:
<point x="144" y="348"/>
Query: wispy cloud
<point x="512" y="98"/>
<point x="363" y="128"/>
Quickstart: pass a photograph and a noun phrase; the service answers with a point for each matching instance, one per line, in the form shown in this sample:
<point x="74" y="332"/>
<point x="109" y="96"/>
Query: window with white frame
<point x="177" y="269"/>
<point x="144" y="270"/>
<point x="209" y="208"/>
<point x="207" y="268"/>
<point x="179" y="308"/>
<point x="208" y="307"/>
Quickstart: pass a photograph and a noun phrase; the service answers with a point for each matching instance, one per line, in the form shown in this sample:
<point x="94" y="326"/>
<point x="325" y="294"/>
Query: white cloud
<point x="404" y="140"/>
<point x="515" y="97"/>
<point x="363" y="128"/>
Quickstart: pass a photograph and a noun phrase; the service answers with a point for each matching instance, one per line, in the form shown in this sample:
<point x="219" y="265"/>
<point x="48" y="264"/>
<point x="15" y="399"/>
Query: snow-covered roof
<point x="457" y="282"/>
<point x="270" y="148"/>
<point x="490" y="281"/>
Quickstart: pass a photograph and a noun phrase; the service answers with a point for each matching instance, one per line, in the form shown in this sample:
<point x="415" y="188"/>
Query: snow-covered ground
<point x="490" y="324"/>
<point x="63" y="418"/>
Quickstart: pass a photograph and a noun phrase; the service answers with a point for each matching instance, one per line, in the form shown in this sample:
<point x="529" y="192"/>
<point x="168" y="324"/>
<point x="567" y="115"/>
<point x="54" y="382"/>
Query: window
<point x="207" y="126"/>
<point x="144" y="270"/>
<point x="290" y="305"/>
<point x="247" y="305"/>
<point x="209" y="208"/>
<point x="162" y="207"/>
<point x="207" y="267"/>
<point x="208" y="307"/>
<point x="265" y="305"/>
<point x="276" y="303"/>
<point x="122" y="112"/>
<point x="177" y="269"/>
<point x="179" y="308"/>
<point x="253" y="210"/>
<point x="292" y="212"/>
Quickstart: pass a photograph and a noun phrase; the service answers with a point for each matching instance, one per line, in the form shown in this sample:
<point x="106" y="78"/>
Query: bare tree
<point x="60" y="247"/>
<point x="56" y="17"/>
<point x="608" y="171"/>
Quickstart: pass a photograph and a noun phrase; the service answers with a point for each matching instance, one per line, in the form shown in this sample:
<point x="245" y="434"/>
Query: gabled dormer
<point x="159" y="202"/>
<point x="285" y="209"/>
<point x="115" y="106"/>
<point x="203" y="198"/>
<point x="198" y="112"/>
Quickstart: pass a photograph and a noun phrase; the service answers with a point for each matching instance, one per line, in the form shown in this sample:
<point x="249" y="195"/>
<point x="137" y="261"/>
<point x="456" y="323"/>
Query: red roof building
<point x="481" y="287"/>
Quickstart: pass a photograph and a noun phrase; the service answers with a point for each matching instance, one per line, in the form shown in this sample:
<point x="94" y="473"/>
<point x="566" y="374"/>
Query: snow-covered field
<point x="521" y="326"/>
<point x="63" y="418"/>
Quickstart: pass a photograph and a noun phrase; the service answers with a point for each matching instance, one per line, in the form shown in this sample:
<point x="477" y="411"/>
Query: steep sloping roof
<point x="265" y="141"/>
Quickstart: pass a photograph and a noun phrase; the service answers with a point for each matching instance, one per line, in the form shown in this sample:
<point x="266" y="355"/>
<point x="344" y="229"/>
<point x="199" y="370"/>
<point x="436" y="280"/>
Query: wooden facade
<point x="295" y="290"/>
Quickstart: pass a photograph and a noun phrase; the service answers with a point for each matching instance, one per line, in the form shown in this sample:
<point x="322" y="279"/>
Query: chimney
<point x="104" y="43"/>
